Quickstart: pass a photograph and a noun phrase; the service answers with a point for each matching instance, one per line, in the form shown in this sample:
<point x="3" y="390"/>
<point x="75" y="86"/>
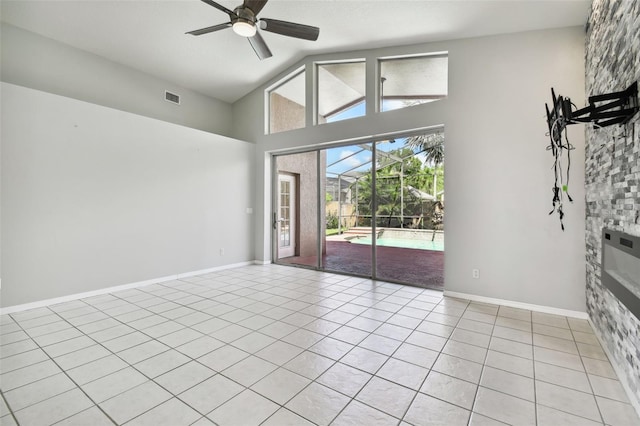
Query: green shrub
<point x="332" y="220"/>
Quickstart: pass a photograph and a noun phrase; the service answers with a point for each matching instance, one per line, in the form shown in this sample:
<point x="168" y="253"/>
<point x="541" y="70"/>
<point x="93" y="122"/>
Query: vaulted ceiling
<point x="150" y="35"/>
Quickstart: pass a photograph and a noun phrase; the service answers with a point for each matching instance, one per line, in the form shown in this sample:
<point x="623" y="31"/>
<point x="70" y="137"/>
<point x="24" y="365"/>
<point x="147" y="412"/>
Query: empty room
<point x="319" y="212"/>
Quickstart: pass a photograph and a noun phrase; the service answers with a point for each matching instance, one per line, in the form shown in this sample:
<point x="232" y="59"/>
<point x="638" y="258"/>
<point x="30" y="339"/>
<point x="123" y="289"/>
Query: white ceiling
<point x="150" y="35"/>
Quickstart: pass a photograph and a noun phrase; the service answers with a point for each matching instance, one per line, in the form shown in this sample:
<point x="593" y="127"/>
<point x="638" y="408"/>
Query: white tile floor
<point x="274" y="345"/>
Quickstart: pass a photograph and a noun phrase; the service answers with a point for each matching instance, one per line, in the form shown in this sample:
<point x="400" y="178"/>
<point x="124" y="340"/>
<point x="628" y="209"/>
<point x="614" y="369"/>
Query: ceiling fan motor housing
<point x="244" y="14"/>
<point x="244" y="22"/>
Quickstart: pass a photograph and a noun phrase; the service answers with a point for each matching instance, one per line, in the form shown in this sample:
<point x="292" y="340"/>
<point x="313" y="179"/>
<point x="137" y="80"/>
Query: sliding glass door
<point x="371" y="209"/>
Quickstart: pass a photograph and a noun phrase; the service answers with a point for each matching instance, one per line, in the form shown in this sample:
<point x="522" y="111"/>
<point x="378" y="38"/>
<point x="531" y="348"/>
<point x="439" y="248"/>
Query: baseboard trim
<point x="521" y="305"/>
<point x="214" y="269"/>
<point x="106" y="290"/>
<point x="262" y="262"/>
<point x="634" y="399"/>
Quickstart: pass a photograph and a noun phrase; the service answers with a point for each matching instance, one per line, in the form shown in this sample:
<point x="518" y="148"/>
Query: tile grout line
<point x="354" y="398"/>
<point x="170" y="348"/>
<point x="369" y="333"/>
<point x="351" y="399"/>
<point x="383" y="323"/>
<point x="484" y="363"/>
<point x="11" y="413"/>
<point x="535" y="379"/>
<point x="100" y="344"/>
<point x="162" y="284"/>
<point x="434" y="362"/>
<point x="303" y="297"/>
<point x="66" y="374"/>
<point x="593" y="393"/>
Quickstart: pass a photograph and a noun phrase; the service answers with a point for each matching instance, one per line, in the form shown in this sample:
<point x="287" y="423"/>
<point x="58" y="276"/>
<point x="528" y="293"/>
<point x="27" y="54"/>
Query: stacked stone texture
<point x="612" y="173"/>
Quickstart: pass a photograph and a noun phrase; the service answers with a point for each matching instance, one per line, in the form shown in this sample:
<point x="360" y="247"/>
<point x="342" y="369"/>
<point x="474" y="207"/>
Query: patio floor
<point x="422" y="268"/>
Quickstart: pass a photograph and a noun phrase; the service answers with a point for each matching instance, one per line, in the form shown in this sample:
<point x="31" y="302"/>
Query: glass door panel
<point x="409" y="241"/>
<point x="347" y="210"/>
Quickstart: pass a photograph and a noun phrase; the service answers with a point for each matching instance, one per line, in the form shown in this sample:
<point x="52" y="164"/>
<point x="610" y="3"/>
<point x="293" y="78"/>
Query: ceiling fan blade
<point x="211" y="29"/>
<point x="255" y="5"/>
<point x="260" y="46"/>
<point x="290" y="29"/>
<point x="219" y="7"/>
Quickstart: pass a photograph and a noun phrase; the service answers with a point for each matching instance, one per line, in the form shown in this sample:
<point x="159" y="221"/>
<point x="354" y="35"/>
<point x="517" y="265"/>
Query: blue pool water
<point x="403" y="243"/>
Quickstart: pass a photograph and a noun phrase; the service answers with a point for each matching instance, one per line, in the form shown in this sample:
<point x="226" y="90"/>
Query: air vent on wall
<point x="171" y="97"/>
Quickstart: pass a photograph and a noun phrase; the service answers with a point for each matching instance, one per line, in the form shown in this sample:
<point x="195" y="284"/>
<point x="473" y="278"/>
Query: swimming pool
<point x="422" y="244"/>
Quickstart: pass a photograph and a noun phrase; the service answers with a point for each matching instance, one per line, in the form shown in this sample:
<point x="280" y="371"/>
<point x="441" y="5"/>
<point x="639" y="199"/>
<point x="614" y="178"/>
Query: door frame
<point x="274" y="173"/>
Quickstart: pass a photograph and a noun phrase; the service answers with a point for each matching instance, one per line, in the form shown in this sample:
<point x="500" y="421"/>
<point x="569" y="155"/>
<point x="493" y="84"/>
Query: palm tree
<point x="432" y="145"/>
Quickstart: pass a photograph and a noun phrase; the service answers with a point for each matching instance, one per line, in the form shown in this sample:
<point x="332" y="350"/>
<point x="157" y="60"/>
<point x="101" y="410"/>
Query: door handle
<point x="276" y="221"/>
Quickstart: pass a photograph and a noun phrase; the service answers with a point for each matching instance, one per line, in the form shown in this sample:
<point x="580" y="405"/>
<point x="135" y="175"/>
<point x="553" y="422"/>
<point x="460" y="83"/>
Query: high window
<point x="341" y="91"/>
<point x="286" y="102"/>
<point x="415" y="80"/>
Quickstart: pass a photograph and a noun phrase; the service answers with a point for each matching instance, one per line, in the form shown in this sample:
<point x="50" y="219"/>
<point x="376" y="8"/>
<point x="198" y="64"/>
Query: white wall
<point x="498" y="173"/>
<point x="93" y="197"/>
<point x="31" y="60"/>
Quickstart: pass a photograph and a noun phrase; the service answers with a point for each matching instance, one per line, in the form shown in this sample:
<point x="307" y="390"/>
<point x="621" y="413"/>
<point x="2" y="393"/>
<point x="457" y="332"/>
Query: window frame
<point x="275" y="86"/>
<point x="379" y="76"/>
<point x="316" y="86"/>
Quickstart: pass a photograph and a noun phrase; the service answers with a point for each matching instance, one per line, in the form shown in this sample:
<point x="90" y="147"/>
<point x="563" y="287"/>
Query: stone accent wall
<point x="612" y="174"/>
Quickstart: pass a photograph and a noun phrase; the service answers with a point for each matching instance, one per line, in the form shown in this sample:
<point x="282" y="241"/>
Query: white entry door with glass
<point x="286" y="216"/>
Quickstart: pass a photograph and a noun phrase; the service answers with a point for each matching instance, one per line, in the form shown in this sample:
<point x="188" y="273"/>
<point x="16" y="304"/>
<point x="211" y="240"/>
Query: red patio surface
<point x="422" y="268"/>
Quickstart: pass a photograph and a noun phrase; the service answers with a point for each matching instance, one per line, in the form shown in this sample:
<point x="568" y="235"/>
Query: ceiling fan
<point x="244" y="22"/>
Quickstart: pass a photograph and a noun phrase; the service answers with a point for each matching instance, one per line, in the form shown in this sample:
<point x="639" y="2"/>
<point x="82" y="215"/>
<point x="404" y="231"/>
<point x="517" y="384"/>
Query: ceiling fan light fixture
<point x="244" y="29"/>
<point x="244" y="22"/>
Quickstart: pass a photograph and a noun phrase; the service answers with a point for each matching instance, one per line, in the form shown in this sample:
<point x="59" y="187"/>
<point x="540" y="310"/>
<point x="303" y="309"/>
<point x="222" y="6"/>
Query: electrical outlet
<point x="475" y="273"/>
<point x="221" y="252"/>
